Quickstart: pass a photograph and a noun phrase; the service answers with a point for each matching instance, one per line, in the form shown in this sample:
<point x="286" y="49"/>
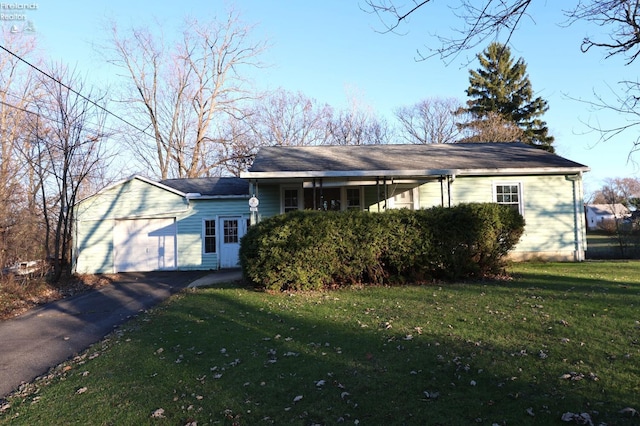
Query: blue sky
<point x="327" y="49"/>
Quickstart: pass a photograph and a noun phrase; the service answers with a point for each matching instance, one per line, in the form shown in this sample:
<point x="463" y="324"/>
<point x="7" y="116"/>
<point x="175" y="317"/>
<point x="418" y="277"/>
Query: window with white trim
<point x="509" y="194"/>
<point x="353" y="199"/>
<point x="290" y="200"/>
<point x="210" y="236"/>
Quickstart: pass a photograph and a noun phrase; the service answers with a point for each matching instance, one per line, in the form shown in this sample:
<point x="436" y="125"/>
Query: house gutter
<point x="413" y="173"/>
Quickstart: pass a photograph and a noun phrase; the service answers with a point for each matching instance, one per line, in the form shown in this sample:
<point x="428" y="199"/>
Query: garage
<point x="144" y="244"/>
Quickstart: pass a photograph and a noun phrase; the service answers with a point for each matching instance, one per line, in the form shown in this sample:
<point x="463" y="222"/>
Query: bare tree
<point x="624" y="191"/>
<point x="479" y="21"/>
<point x="179" y="94"/>
<point x="485" y="20"/>
<point x="358" y="124"/>
<point x="430" y="121"/>
<point x="491" y="128"/>
<point x="20" y="231"/>
<point x="68" y="137"/>
<point x="279" y="118"/>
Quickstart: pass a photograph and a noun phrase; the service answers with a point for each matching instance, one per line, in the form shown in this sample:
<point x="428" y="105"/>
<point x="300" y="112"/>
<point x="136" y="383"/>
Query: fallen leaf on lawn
<point x="158" y="414"/>
<point x="343" y="395"/>
<point x="81" y="390"/>
<point x="431" y="394"/>
<point x="628" y="411"/>
<point x="581" y="419"/>
<point x="297" y="398"/>
<point x="320" y="383"/>
<point x="530" y="412"/>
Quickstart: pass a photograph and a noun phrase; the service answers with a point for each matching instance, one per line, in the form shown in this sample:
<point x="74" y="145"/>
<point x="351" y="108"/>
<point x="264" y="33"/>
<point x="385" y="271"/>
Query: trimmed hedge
<point x="310" y="250"/>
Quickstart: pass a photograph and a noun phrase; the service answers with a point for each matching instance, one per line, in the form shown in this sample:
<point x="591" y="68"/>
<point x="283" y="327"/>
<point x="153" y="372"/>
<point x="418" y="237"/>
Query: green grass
<point x="467" y="353"/>
<point x="606" y="245"/>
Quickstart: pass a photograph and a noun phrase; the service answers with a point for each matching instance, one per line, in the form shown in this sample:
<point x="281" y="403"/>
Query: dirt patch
<point x="20" y="294"/>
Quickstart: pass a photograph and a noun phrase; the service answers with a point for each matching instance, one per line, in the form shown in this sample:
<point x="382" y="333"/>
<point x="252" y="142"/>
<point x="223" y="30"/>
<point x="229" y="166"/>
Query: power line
<point x="39" y="115"/>
<point x="75" y="92"/>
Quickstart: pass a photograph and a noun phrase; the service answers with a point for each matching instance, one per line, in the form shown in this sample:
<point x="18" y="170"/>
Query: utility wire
<point x="74" y="91"/>
<point x="39" y="115"/>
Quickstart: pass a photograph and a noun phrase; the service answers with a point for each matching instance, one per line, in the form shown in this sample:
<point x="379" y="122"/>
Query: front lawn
<point x="556" y="339"/>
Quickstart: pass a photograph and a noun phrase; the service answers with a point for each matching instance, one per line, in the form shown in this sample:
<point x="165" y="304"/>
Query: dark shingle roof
<point x="460" y="157"/>
<point x="211" y="186"/>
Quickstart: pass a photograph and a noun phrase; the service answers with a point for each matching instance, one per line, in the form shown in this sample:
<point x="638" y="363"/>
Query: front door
<point x="232" y="230"/>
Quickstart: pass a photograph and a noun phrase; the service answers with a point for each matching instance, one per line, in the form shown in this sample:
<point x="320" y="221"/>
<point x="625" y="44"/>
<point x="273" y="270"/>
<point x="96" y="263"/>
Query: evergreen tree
<point x="502" y="87"/>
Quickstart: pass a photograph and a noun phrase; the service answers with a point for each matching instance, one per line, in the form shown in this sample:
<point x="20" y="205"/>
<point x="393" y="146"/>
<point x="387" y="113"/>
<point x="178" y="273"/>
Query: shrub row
<point x="310" y="250"/>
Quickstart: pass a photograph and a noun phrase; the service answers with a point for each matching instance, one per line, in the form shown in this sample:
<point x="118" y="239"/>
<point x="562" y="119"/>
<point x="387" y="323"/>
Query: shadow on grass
<point x="450" y="354"/>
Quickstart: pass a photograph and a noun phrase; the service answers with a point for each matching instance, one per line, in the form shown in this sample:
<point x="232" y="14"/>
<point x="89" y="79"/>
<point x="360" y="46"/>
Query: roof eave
<point x="428" y="172"/>
<point x="344" y="173"/>
<point x="523" y="171"/>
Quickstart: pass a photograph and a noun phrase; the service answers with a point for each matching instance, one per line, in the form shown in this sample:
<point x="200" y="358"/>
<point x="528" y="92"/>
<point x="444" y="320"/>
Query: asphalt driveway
<point x="46" y="336"/>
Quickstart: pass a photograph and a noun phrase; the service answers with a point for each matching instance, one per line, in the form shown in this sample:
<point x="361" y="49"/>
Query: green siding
<point x="130" y="199"/>
<point x="549" y="207"/>
<point x="96" y="216"/>
<point x="269" y="196"/>
<point x="190" y="231"/>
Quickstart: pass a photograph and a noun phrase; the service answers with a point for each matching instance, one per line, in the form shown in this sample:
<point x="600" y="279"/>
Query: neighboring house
<point x="599" y="215"/>
<point x="545" y="188"/>
<point x="176" y="224"/>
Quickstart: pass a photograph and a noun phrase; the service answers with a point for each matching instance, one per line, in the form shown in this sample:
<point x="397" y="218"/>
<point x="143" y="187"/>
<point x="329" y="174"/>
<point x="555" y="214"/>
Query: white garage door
<point x="144" y="245"/>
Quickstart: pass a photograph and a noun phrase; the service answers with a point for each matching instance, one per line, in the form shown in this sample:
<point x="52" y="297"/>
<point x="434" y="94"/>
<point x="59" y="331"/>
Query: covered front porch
<point x="374" y="194"/>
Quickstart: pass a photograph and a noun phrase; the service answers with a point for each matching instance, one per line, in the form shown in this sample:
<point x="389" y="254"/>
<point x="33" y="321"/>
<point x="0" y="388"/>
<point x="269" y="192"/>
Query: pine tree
<point x="502" y="87"/>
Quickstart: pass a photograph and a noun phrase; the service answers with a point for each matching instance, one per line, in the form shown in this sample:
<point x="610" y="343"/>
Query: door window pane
<point x="230" y="229"/>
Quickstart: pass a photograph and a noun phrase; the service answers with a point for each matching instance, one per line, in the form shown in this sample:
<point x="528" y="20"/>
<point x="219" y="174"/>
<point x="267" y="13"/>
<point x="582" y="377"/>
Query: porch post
<point x="378" y="192"/>
<point x="314" y="194"/>
<point x="386" y="192"/>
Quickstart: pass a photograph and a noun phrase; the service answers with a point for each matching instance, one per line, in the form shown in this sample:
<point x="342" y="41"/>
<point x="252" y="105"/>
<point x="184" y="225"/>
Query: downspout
<point x="578" y="253"/>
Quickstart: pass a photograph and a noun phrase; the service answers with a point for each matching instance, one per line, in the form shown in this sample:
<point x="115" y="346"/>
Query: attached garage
<point x="177" y="224"/>
<point x="144" y="244"/>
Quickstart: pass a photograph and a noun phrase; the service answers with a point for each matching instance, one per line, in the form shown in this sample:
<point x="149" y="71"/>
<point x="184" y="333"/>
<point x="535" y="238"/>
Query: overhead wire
<point x="75" y="91"/>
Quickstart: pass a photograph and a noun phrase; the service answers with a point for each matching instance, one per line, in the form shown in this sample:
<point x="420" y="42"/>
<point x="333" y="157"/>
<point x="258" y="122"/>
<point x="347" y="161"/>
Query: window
<point x="509" y="195"/>
<point x="230" y="229"/>
<point x="403" y="200"/>
<point x="209" y="236"/>
<point x="353" y="199"/>
<point x="290" y="200"/>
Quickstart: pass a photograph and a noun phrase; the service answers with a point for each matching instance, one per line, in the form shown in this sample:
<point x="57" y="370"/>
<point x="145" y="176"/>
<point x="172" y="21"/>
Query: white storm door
<point x="144" y="245"/>
<point x="231" y="229"/>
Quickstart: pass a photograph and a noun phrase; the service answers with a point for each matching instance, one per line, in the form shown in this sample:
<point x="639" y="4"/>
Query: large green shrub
<point x="312" y="250"/>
